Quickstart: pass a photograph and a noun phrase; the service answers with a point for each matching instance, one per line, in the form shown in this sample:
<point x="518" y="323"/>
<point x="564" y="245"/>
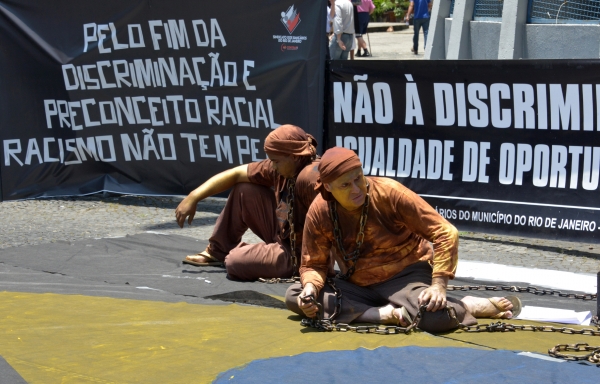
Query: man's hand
<point x="341" y="44"/>
<point x="308" y="307"/>
<point x="216" y="184"/>
<point x="186" y="210"/>
<point x="435" y="296"/>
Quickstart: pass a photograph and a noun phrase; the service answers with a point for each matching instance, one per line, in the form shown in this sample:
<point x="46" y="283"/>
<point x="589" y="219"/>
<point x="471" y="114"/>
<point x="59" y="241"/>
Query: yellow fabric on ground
<point x="51" y="338"/>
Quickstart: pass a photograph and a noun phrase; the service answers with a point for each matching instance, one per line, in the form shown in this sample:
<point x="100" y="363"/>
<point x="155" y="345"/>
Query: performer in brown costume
<point x="269" y="197"/>
<point x="379" y="232"/>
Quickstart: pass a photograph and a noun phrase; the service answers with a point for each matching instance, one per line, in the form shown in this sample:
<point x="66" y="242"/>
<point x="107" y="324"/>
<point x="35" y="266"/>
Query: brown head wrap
<point x="290" y="140"/>
<point x="334" y="163"/>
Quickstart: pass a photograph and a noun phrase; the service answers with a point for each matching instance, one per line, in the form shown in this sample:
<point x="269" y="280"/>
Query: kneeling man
<point x="270" y="198"/>
<point x="380" y="233"/>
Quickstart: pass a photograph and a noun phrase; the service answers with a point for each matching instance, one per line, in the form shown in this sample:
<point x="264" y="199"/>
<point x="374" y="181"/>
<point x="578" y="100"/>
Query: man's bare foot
<point x="494" y="307"/>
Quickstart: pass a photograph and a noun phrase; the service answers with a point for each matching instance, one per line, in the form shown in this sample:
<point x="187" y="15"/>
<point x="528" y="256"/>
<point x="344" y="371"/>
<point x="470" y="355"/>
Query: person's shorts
<point x="355" y="17"/>
<point x="363" y="22"/>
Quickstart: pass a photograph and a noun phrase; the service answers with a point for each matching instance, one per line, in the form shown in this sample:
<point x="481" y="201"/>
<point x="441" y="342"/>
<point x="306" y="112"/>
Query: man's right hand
<point x="216" y="184"/>
<point x="309" y="308"/>
<point x="186" y="210"/>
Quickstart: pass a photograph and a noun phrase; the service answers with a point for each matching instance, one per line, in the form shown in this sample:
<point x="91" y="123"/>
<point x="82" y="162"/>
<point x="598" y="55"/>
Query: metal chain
<point x="291" y="186"/>
<point x="529" y="289"/>
<point x="593" y="357"/>
<point x="360" y="237"/>
<point x="507" y="327"/>
<point x="555" y="351"/>
<point x="317" y="322"/>
<point x="329" y="325"/>
<point x="277" y="280"/>
<point x="492" y="327"/>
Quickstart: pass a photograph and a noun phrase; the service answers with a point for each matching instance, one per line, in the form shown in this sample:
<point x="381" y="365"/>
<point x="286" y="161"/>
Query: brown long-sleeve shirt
<point x="399" y="227"/>
<point x="263" y="173"/>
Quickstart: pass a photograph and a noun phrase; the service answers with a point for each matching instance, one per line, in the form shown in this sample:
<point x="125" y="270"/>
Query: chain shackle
<point x="289" y="200"/>
<point x="291" y="185"/>
<point x="353" y="256"/>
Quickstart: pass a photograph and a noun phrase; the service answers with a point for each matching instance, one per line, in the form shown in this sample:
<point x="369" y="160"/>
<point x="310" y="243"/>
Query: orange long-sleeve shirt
<point x="399" y="227"/>
<point x="263" y="173"/>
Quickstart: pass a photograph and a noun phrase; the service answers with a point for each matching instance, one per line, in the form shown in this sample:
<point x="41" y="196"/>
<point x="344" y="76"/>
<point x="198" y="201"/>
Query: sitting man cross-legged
<point x="269" y="197"/>
<point x="379" y="232"/>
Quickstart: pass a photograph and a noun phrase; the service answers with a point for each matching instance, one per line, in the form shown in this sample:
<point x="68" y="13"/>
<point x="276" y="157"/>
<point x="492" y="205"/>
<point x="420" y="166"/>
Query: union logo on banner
<point x="290" y="19"/>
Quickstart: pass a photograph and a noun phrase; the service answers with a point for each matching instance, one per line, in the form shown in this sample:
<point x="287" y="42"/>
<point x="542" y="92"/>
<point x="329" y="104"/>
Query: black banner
<point x="153" y="96"/>
<point x="495" y="146"/>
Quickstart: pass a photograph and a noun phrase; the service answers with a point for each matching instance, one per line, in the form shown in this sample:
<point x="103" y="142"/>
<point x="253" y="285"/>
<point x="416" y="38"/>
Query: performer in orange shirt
<point x="394" y="250"/>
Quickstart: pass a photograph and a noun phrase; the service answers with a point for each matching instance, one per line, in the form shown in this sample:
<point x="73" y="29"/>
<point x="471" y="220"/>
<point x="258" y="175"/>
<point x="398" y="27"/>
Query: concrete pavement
<point x="44" y="221"/>
<point x="394" y="45"/>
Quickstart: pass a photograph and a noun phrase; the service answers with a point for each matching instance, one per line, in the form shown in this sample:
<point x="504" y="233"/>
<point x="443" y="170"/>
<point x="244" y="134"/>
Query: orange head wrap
<point x="290" y="140"/>
<point x="334" y="163"/>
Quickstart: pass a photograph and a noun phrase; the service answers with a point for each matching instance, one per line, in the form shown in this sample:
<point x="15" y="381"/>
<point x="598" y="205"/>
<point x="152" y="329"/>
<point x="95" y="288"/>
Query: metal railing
<point x="488" y="10"/>
<point x="564" y="12"/>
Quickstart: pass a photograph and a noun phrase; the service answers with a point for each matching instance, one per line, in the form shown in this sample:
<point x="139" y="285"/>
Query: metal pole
<point x="369" y="39"/>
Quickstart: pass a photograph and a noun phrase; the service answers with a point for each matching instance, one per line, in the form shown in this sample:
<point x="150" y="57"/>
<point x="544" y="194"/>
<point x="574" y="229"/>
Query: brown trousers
<point x="250" y="206"/>
<point x="401" y="290"/>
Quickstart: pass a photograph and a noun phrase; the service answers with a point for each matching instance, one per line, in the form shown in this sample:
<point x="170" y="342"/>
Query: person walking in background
<point x="355" y="15"/>
<point x="343" y="30"/>
<point x="422" y="11"/>
<point x="364" y="11"/>
<point x="329" y="25"/>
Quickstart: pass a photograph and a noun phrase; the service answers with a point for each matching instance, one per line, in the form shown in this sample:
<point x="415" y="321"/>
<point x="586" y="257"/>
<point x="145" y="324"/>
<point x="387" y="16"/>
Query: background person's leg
<point x="348" y="41"/>
<point x="359" y="45"/>
<point x="334" y="49"/>
<point x="363" y="22"/>
<point x="417" y="28"/>
<point x="425" y="31"/>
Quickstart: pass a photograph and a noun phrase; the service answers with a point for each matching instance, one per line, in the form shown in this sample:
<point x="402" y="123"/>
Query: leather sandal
<point x="212" y="261"/>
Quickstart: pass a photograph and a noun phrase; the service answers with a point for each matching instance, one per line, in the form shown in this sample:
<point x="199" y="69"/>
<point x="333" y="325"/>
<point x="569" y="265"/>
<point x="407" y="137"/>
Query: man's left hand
<point x="310" y="310"/>
<point x="435" y="295"/>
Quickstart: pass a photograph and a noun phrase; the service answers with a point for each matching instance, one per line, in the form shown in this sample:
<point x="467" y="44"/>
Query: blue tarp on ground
<point x="412" y="365"/>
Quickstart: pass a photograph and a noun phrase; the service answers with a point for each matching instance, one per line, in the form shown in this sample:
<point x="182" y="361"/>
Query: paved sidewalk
<point x="394" y="45"/>
<point x="45" y="221"/>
